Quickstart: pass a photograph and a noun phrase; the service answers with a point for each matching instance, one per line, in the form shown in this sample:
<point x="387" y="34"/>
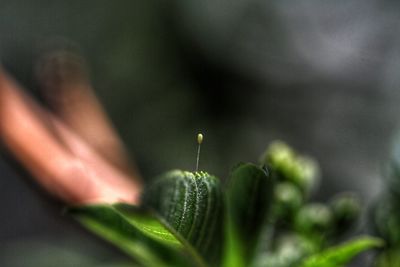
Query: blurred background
<point x="322" y="76"/>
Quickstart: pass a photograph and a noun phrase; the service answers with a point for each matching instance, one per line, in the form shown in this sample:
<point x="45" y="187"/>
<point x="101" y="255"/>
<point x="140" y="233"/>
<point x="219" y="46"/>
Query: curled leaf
<point x="192" y="204"/>
<point x="249" y="198"/>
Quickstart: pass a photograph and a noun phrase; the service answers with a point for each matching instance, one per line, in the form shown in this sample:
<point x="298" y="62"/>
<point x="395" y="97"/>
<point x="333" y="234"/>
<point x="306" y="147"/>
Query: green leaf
<point x="249" y="197"/>
<point x="339" y="255"/>
<point x="234" y="249"/>
<point x="137" y="232"/>
<point x="192" y="204"/>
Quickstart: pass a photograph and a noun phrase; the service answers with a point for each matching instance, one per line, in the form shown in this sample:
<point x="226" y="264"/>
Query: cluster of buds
<point x="302" y="227"/>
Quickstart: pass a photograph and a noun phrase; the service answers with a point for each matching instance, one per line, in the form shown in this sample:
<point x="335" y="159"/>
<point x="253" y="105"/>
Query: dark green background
<point x="322" y="76"/>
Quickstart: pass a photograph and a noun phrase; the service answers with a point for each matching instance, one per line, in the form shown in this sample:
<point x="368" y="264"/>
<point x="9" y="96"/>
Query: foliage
<point x="340" y="255"/>
<point x="385" y="215"/>
<point x="261" y="218"/>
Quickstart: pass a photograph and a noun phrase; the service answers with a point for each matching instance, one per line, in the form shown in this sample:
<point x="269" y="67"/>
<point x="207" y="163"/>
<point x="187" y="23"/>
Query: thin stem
<point x="198" y="157"/>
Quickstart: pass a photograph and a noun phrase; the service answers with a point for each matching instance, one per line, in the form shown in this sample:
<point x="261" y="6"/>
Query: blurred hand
<point x="71" y="149"/>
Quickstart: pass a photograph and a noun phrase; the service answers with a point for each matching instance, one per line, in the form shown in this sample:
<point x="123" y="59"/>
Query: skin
<point x="73" y="150"/>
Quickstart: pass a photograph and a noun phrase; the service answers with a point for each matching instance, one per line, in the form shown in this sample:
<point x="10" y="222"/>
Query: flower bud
<point x="288" y="200"/>
<point x="314" y="218"/>
<point x="300" y="170"/>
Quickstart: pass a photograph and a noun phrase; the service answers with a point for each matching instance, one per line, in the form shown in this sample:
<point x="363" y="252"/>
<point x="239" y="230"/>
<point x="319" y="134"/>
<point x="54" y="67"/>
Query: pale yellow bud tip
<point x="199" y="138"/>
